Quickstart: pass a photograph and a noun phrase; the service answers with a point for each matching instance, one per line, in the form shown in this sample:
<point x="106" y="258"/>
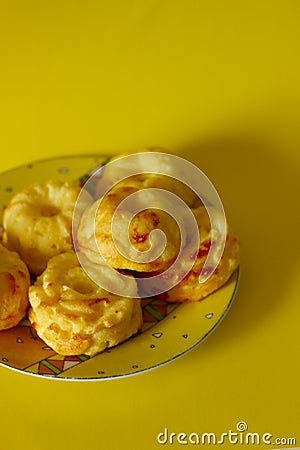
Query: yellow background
<point x="218" y="83"/>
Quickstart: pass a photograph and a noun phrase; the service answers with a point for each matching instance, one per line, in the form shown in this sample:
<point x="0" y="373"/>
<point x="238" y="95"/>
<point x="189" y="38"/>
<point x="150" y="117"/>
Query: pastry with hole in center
<point x="74" y="315"/>
<point x="38" y="222"/>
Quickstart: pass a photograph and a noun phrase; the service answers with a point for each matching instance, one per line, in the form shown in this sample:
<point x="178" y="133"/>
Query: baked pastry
<point x="14" y="285"/>
<point x="73" y="315"/>
<point x="165" y="172"/>
<point x="129" y="245"/>
<point x="159" y="181"/>
<point x="38" y="222"/>
<point x="189" y="288"/>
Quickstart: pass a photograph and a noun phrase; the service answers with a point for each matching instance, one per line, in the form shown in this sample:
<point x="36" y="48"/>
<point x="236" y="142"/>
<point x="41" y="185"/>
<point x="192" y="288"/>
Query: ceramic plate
<point x="169" y="330"/>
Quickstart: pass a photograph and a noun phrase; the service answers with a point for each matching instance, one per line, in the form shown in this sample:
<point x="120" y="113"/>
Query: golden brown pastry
<point x="189" y="288"/>
<point x="73" y="315"/>
<point x="166" y="172"/>
<point x="131" y="245"/>
<point x="159" y="181"/>
<point x="38" y="222"/>
<point x="14" y="285"/>
<point x="107" y="244"/>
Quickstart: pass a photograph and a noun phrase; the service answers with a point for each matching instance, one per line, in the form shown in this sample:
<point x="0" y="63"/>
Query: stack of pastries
<point x="69" y="310"/>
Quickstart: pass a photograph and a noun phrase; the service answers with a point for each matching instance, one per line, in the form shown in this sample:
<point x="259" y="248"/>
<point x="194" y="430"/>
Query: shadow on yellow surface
<point x="257" y="185"/>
